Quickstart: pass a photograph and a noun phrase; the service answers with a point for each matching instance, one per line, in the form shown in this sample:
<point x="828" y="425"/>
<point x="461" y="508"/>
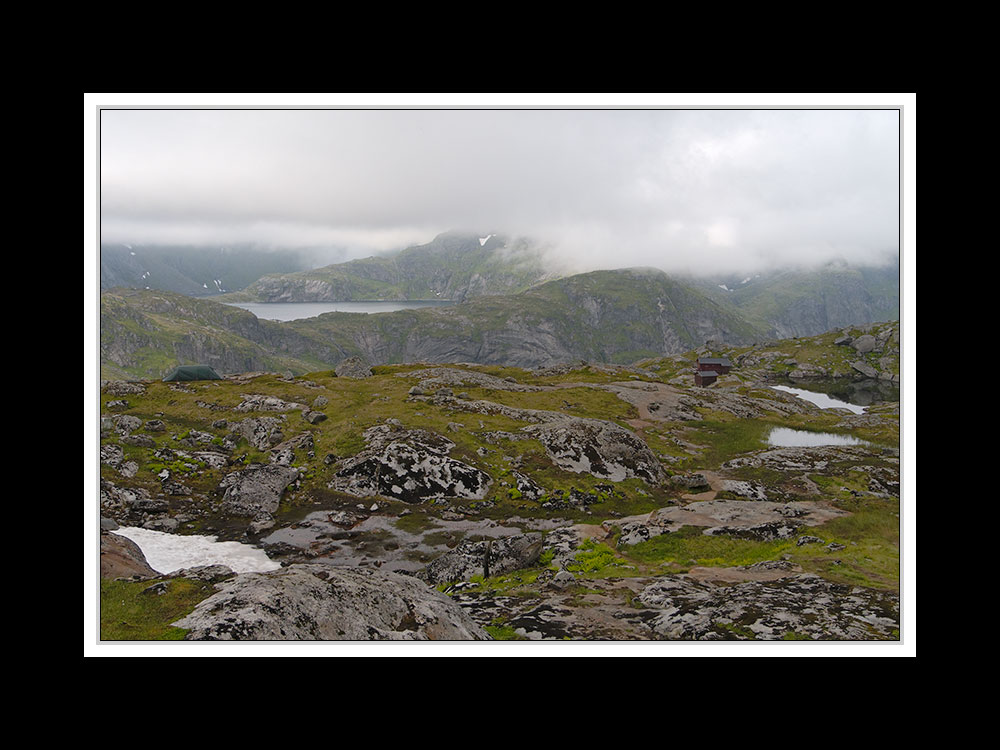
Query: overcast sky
<point x="682" y="190"/>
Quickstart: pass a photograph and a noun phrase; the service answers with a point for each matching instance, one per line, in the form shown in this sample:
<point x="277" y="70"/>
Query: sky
<point x="684" y="190"/>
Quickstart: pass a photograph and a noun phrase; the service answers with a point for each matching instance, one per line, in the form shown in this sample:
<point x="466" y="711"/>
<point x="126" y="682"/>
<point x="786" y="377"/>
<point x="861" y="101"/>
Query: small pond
<point x="822" y="400"/>
<point x="785" y="437"/>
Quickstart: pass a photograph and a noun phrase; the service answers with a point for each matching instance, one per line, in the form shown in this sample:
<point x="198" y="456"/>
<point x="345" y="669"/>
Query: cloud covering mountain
<point x="682" y="190"/>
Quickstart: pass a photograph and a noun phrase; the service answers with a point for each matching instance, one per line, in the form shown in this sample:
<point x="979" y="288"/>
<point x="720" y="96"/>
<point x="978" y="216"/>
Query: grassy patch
<point x="689" y="547"/>
<point x="127" y="614"/>
<point x="870" y="539"/>
<point x="596" y="560"/>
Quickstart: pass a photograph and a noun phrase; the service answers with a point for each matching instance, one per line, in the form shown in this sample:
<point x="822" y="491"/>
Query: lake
<point x="166" y="553"/>
<point x="785" y="437"/>
<point x="284" y="311"/>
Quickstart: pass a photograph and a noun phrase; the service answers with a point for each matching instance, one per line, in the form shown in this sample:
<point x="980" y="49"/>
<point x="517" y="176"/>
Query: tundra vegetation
<point x="511" y="500"/>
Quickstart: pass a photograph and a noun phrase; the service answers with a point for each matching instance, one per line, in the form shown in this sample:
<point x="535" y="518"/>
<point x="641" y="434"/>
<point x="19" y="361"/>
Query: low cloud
<point x="682" y="190"/>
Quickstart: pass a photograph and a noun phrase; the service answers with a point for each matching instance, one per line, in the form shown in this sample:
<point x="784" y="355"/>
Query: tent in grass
<point x="192" y="372"/>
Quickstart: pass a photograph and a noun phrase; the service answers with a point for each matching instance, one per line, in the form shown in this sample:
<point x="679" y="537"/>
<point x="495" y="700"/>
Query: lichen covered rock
<point x="409" y="465"/>
<point x="256" y="490"/>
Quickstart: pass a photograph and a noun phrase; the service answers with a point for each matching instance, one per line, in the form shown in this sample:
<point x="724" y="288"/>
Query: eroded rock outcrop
<point x="321" y="602"/>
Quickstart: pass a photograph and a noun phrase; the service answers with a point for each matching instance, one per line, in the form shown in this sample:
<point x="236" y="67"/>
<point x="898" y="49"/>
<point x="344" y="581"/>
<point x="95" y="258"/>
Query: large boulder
<point x="598" y="447"/>
<point x="409" y="465"/>
<point x="322" y="602"/>
<point x="353" y="367"/>
<point x="256" y="490"/>
<point x="122" y="558"/>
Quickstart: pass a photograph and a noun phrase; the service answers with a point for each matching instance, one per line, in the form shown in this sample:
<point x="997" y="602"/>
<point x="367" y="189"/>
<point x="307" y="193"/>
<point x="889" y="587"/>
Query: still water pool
<point x="785" y="437"/>
<point x="822" y="400"/>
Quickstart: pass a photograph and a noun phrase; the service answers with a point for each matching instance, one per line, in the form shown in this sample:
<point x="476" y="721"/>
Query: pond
<point x="284" y="311"/>
<point x="859" y="393"/>
<point x="166" y="553"/>
<point x="822" y="400"/>
<point x="785" y="437"/>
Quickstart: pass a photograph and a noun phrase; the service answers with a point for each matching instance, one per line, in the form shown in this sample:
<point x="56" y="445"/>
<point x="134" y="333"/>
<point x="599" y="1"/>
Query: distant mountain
<point x="603" y="316"/>
<point x="809" y="302"/>
<point x="453" y="266"/>
<point x="193" y="271"/>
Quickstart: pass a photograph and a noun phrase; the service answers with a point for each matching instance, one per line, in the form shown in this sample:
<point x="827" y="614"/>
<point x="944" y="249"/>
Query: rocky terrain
<point x="579" y="501"/>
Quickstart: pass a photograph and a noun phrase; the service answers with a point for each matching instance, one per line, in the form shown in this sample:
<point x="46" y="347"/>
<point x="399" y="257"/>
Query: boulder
<point x="321" y="602"/>
<point x="259" y="402"/>
<point x="256" y="490"/>
<point x="598" y="447"/>
<point x="864" y="344"/>
<point x="353" y="367"/>
<point x="408" y="465"/>
<point x="865" y="369"/>
<point x="260" y="432"/>
<point x="122" y="558"/>
<point x="487" y="558"/>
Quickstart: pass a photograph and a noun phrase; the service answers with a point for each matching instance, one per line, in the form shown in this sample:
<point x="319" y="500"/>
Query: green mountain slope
<point x="809" y="302"/>
<point x="453" y="266"/>
<point x="194" y="271"/>
<point x="605" y="316"/>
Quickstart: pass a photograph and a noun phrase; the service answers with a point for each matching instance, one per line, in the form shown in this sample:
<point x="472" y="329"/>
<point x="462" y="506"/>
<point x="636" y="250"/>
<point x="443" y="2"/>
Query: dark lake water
<point x="299" y="310"/>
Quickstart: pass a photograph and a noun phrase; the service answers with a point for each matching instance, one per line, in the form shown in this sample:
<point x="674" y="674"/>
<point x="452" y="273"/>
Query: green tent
<point x="192" y="372"/>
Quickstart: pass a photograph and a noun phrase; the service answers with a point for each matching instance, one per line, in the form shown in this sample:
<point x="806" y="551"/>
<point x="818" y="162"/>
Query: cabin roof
<point x="714" y="361"/>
